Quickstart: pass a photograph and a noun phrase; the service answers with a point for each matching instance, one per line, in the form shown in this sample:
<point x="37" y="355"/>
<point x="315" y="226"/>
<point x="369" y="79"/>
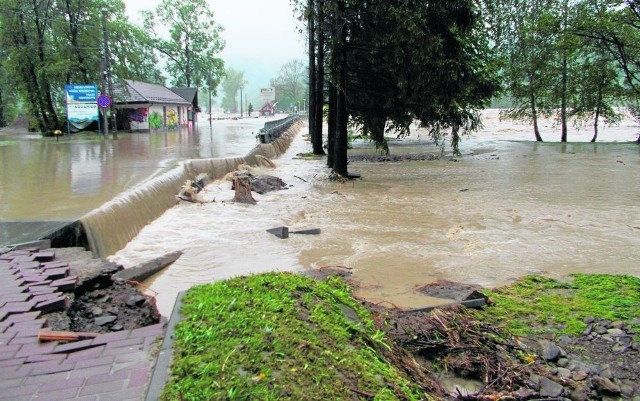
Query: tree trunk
<point x="3" y="122"/>
<point x="595" y="125"/>
<point x="331" y="125"/>
<point x="455" y="140"/>
<point x="73" y="37"/>
<point x="563" y="102"/>
<point x="597" y="116"/>
<point x="319" y="99"/>
<point x="243" y="190"/>
<point x="534" y="117"/>
<point x="312" y="69"/>
<point x="341" y="144"/>
<point x="49" y="109"/>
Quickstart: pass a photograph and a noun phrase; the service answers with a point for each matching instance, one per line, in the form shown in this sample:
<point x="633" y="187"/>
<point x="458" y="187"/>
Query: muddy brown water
<point x="504" y="209"/>
<point x="46" y="182"/>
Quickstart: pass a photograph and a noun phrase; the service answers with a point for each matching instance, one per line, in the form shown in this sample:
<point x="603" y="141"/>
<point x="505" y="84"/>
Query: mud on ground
<point x="99" y="303"/>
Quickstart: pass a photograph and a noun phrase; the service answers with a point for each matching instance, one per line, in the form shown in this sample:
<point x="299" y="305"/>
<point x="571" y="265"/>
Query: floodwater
<point x="506" y="208"/>
<point x="51" y="181"/>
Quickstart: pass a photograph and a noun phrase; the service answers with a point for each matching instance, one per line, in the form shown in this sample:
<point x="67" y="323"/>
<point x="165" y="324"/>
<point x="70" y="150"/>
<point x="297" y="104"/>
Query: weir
<point x="111" y="226"/>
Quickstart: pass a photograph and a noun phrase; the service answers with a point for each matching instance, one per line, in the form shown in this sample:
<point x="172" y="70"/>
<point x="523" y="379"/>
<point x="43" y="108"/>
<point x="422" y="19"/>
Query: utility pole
<point x="107" y="58"/>
<point x="210" y="116"/>
<point x="240" y="101"/>
<point x="105" y="123"/>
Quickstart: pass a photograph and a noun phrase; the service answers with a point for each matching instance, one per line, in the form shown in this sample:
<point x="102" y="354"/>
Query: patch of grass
<point x="538" y="304"/>
<point x="309" y="155"/>
<point x="280" y="336"/>
<point x="9" y="143"/>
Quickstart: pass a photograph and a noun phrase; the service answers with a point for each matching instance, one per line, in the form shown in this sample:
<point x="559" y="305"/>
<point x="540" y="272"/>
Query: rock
<point x="563" y="362"/>
<point x="524" y="393"/>
<point x="588" y="330"/>
<point x="625" y="340"/>
<point x="605" y="372"/>
<point x="96" y="311"/>
<point x="103" y="320"/>
<point x="136" y="300"/>
<point x="549" y="388"/>
<point x="113" y="310"/>
<point x="201" y="180"/>
<point x="116" y="327"/>
<point x="627" y="390"/>
<point x="104" y="299"/>
<point x="266" y="183"/>
<point x="580" y="393"/>
<point x="579" y="375"/>
<point x="605" y="386"/>
<point x="616" y="332"/>
<point x="601" y="329"/>
<point x="565" y="340"/>
<point x="576" y="365"/>
<point x="618" y="324"/>
<point x="619" y="348"/>
<point x="589" y="319"/>
<point x="564" y="373"/>
<point x="549" y="350"/>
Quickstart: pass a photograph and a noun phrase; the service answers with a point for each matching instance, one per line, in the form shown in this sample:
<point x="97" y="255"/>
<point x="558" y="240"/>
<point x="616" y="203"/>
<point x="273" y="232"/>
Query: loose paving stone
<point x="52" y="305"/>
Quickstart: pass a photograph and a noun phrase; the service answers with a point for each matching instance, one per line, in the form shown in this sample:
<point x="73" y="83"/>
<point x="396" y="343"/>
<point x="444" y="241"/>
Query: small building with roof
<point x="189" y="94"/>
<point x="143" y="106"/>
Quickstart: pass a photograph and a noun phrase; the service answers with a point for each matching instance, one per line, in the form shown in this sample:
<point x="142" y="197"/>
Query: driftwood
<point x="242" y="186"/>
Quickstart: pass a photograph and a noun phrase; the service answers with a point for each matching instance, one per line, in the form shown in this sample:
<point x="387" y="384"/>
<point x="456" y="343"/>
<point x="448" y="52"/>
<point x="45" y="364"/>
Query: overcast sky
<point x="260" y="35"/>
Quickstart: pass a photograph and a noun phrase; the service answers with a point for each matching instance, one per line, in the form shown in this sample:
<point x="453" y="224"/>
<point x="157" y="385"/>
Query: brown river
<point x="506" y="208"/>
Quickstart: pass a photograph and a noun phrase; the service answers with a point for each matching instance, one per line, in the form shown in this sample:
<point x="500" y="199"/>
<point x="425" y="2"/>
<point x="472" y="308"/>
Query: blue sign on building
<point x="81" y="93"/>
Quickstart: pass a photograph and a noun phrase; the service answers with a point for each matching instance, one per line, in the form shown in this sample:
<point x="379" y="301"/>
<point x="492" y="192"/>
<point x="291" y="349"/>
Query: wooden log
<point x="243" y="190"/>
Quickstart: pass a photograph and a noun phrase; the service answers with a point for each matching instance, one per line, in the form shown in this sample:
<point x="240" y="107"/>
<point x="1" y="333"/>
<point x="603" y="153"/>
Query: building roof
<point x="143" y="92"/>
<point x="187" y="93"/>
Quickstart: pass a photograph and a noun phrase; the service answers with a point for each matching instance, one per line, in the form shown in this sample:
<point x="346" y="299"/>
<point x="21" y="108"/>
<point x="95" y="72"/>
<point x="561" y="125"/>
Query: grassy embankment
<point x="284" y="336"/>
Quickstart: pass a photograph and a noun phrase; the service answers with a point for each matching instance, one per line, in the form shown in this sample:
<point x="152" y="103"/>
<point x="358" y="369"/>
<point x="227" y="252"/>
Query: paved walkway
<point x="112" y="366"/>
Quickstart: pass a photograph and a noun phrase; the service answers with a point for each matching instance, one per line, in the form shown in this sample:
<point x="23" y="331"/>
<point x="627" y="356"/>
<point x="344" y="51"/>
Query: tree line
<point x="378" y="65"/>
<point x="45" y="44"/>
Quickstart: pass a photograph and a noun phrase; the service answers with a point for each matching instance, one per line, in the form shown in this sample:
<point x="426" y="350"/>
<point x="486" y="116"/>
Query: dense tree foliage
<point x="231" y="84"/>
<point x="569" y="59"/>
<point x="49" y="43"/>
<point x="290" y="84"/>
<point x="194" y="40"/>
<point x="393" y="61"/>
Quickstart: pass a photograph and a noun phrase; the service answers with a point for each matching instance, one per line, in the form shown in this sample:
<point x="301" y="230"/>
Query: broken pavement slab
<point x="283" y="232"/>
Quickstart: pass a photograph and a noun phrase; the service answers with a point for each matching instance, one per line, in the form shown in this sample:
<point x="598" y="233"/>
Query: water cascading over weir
<point x="111" y="226"/>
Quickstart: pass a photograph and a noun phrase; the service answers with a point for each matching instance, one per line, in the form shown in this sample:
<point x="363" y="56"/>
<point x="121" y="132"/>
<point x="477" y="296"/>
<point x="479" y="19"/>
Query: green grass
<point x="280" y="336"/>
<point x="9" y="143"/>
<point x="538" y="304"/>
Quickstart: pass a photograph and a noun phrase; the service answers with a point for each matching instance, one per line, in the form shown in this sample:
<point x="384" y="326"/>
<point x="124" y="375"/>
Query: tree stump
<point x="243" y="190"/>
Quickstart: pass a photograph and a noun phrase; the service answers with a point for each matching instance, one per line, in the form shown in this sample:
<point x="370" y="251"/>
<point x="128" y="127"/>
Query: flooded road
<point x="42" y="179"/>
<point x="503" y="210"/>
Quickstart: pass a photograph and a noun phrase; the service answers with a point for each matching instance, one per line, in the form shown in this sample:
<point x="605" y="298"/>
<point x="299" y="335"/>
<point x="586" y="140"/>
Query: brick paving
<point x="112" y="366"/>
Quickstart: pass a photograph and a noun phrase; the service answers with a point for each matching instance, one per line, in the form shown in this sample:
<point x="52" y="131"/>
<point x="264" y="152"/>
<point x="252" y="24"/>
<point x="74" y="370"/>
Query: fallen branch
<point x="300" y="178"/>
<point x="362" y="393"/>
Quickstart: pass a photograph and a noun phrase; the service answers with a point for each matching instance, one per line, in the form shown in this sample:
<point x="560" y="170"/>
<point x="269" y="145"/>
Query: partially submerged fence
<point x="274" y="129"/>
